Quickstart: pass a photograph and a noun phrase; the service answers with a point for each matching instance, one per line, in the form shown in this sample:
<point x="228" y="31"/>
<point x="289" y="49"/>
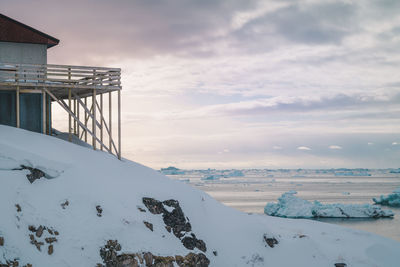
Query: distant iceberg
<point x="392" y="200"/>
<point x="290" y="206"/>
<point x="211" y="177"/>
<point x="172" y="171"/>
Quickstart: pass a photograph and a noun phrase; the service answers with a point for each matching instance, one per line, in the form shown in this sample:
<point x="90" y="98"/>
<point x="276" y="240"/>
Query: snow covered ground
<point x="91" y="208"/>
<point x="291" y="206"/>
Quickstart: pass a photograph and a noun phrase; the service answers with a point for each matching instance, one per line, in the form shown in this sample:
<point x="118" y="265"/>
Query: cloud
<point x="303" y="148"/>
<point x="396" y="144"/>
<point x="335" y="147"/>
<point x="277" y="147"/>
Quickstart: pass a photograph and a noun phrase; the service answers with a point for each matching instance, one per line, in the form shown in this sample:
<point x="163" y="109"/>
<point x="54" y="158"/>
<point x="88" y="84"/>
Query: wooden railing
<point x="60" y="76"/>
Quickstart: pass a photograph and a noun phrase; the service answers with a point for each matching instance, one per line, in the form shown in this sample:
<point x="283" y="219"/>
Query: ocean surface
<point x="250" y="190"/>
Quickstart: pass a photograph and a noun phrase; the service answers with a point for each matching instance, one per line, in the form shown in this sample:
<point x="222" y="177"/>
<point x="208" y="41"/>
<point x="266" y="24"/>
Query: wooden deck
<point x="79" y="85"/>
<point x="60" y="78"/>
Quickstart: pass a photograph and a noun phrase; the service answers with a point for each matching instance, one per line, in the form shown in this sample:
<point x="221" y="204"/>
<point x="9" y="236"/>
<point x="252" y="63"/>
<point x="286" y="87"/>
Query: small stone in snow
<point x="340" y="264"/>
<point x="18" y="207"/>
<point x="66" y="203"/>
<point x="148" y="225"/>
<point x="141" y="209"/>
<point x="39" y="231"/>
<point x="99" y="210"/>
<point x="215" y="253"/>
<point x="271" y="241"/>
<point x="50" y="250"/>
<point x="1" y="241"/>
<point x="50" y="239"/>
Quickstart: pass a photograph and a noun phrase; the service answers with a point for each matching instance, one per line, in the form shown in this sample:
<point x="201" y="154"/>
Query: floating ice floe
<point x="392" y="200"/>
<point x="290" y="206"/>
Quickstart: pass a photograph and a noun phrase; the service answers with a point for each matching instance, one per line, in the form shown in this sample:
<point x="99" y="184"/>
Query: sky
<point x="240" y="84"/>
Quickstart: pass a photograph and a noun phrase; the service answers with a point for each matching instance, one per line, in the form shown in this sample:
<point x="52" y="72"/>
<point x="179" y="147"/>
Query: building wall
<point x="23" y="53"/>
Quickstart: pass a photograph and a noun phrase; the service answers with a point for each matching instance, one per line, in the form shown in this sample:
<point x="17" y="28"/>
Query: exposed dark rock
<point x="191" y="242"/>
<point x="18" y="207"/>
<point x="56" y="233"/>
<point x="271" y="241"/>
<point x="99" y="210"/>
<point x="154" y="206"/>
<point x="148" y="258"/>
<point x="141" y="209"/>
<point x="50" y="250"/>
<point x="191" y="259"/>
<point x="50" y="240"/>
<point x="215" y="253"/>
<point x="111" y="258"/>
<point x="65" y="204"/>
<point x="37" y="244"/>
<point x="175" y="221"/>
<point x="34" y="175"/>
<point x="1" y="241"/>
<point x="340" y="264"/>
<point x="39" y="231"/>
<point x="148" y="225"/>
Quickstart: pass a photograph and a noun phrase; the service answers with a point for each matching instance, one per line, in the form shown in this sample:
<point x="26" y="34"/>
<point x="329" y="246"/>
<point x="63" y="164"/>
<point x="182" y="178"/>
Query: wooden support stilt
<point x="78" y="116"/>
<point x="65" y="107"/>
<point x="119" y="124"/>
<point x="94" y="119"/>
<point x="69" y="117"/>
<point x="108" y="131"/>
<point x="44" y="111"/>
<point x="85" y="121"/>
<point x="101" y="121"/>
<point x="75" y="115"/>
<point x="110" y="119"/>
<point x="18" y="109"/>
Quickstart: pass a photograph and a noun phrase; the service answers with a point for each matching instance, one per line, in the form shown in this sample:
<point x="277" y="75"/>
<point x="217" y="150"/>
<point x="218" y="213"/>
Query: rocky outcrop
<point x="34" y="173"/>
<point x="270" y="241"/>
<point x="112" y="257"/>
<point x="38" y="241"/>
<point x="175" y="221"/>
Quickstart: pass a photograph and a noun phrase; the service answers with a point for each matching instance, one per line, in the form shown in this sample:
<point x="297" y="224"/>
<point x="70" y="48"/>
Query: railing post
<point x="43" y="111"/>
<point x="17" y="99"/>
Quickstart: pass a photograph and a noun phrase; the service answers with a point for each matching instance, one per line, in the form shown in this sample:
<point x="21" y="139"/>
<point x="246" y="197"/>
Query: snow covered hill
<point x="86" y="208"/>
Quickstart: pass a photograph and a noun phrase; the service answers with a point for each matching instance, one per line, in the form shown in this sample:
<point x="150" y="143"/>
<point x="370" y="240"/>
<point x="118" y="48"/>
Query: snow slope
<point x="95" y="183"/>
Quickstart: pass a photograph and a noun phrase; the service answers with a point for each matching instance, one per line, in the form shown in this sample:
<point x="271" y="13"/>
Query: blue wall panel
<point x="31" y="112"/>
<point x="8" y="108"/>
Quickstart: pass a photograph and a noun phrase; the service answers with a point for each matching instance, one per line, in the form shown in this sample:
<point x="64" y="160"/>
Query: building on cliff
<point x="29" y="87"/>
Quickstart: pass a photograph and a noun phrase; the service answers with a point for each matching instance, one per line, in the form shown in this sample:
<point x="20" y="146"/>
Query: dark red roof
<point x="17" y="32"/>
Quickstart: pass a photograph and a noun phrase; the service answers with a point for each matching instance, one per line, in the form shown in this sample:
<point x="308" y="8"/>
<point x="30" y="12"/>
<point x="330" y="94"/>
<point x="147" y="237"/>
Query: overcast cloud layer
<point x="241" y="84"/>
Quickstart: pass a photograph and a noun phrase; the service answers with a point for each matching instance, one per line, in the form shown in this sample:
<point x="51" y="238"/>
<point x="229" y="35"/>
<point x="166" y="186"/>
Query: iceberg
<point x="392" y="200"/>
<point x="291" y="206"/>
<point x="172" y="171"/>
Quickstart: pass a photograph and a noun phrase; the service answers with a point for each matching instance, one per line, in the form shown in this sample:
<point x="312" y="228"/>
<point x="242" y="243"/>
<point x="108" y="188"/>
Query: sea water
<point x="250" y="190"/>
